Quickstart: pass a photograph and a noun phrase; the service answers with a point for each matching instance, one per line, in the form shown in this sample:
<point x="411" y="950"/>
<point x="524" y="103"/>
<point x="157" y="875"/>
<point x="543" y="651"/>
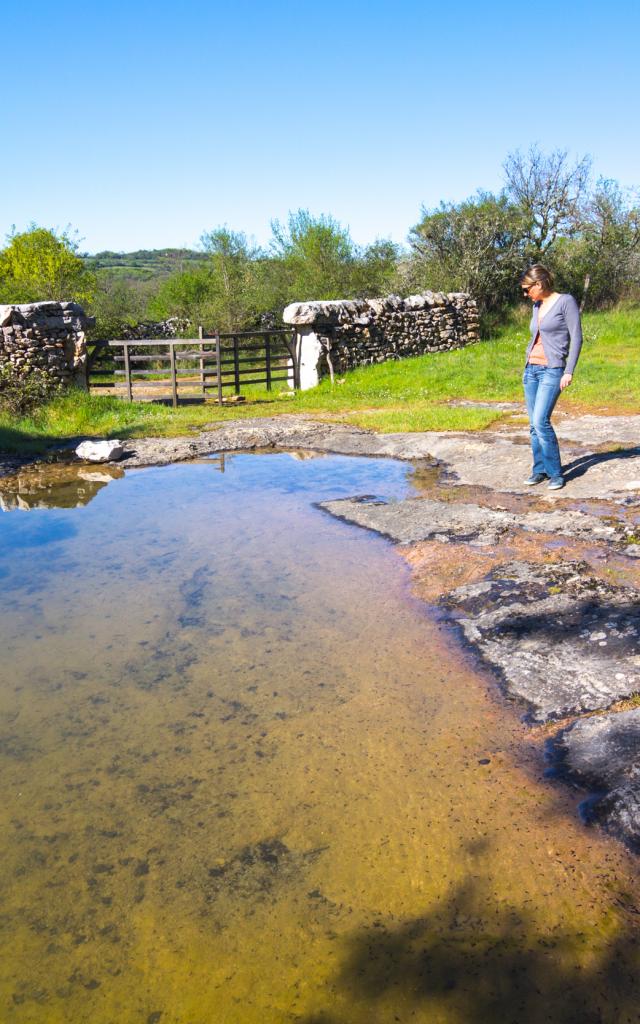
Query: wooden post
<point x="202" y="379"/>
<point x="218" y="369"/>
<point x="127" y="372"/>
<point x="296" y="345"/>
<point x="267" y="353"/>
<point x="174" y="382"/>
<point x="236" y="365"/>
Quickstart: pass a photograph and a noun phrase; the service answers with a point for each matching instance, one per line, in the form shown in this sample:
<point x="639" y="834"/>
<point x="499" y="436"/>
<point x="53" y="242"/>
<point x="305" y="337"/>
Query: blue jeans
<point x="541" y="390"/>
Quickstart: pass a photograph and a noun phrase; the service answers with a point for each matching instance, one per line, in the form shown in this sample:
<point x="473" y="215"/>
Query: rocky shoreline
<point x="547" y="584"/>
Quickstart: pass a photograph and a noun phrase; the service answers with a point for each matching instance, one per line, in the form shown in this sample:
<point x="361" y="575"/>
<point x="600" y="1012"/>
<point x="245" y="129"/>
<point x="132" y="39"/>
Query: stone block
<point x="100" y="451"/>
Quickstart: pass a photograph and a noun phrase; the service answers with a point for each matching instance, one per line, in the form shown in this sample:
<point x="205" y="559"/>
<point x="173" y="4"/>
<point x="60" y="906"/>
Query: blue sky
<point x="142" y="125"/>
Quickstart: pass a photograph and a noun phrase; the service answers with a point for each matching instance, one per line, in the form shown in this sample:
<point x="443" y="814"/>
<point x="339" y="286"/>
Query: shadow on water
<point x="474" y="959"/>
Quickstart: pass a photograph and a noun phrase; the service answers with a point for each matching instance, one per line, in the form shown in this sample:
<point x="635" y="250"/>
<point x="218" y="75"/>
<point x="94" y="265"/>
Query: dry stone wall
<point x="49" y="336"/>
<point x="171" y="328"/>
<point x="339" y="335"/>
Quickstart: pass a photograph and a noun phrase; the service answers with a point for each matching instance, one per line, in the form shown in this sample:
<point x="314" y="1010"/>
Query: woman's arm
<point x="572" y="318"/>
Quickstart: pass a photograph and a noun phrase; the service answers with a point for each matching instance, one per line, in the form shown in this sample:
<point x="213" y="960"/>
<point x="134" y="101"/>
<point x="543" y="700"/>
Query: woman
<point x="552" y="354"/>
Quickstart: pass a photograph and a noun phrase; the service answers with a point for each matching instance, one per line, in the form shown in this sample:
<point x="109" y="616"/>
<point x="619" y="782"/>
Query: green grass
<point x="606" y="378"/>
<point x="409" y="395"/>
<point x="80" y="415"/>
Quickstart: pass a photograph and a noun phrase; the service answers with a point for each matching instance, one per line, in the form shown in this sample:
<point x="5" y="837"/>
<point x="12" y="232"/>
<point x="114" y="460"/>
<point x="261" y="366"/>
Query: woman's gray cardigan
<point x="560" y="333"/>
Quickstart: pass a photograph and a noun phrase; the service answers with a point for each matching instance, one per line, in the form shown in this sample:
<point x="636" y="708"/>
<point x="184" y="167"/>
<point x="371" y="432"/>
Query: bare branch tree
<point x="550" y="191"/>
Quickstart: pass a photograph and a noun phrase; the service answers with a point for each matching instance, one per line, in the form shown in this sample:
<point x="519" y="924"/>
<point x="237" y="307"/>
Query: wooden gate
<point x="146" y="369"/>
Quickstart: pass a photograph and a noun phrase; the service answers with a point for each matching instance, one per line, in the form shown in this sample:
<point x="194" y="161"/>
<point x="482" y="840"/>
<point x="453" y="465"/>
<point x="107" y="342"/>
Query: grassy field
<point x="412" y="394"/>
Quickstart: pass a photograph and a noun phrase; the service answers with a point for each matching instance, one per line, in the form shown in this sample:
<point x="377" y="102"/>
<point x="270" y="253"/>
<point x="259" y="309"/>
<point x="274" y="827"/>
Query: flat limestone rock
<point x="287" y="431"/>
<point x="504" y="462"/>
<point x="596" y="430"/>
<point x="416" y="519"/>
<point x="602" y="754"/>
<point x="563" y="641"/>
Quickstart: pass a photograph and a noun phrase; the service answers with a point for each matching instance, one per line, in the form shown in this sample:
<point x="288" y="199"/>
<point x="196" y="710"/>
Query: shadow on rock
<point x="578" y="467"/>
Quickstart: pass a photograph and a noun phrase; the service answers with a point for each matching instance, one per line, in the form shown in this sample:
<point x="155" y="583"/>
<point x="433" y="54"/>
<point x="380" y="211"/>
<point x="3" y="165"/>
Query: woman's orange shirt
<point x="536" y="355"/>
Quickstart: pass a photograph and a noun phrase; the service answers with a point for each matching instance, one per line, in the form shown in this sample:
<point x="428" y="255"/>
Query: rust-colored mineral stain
<point x="440" y="567"/>
<point x="258" y="783"/>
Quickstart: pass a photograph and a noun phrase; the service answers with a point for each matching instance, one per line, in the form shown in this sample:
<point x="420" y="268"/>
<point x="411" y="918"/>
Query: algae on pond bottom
<point x="255" y="782"/>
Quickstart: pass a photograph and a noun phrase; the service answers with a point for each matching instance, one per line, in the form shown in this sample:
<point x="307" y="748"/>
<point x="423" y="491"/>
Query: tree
<point x="603" y="262"/>
<point x="39" y="264"/>
<point x="118" y="302"/>
<point x="376" y="269"/>
<point x="316" y="258"/>
<point x="475" y="246"/>
<point x="232" y="278"/>
<point x="185" y="295"/>
<point x="550" y="193"/>
<point x="222" y="293"/>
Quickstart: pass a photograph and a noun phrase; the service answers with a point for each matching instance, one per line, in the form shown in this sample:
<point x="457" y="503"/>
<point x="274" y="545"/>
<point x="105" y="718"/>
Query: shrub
<point x="21" y="393"/>
<point x="39" y="264"/>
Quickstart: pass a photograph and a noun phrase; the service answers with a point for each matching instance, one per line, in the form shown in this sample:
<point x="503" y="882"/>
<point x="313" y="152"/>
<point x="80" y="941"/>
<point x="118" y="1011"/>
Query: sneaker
<point x="556" y="485"/>
<point x="536" y="478"/>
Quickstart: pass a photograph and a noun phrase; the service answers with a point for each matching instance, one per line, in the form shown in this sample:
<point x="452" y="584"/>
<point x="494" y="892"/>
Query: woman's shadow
<point x="581" y="465"/>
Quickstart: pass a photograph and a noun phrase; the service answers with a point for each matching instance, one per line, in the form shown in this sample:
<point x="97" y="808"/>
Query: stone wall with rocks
<point x="339" y="335"/>
<point x="171" y="328"/>
<point x="49" y="336"/>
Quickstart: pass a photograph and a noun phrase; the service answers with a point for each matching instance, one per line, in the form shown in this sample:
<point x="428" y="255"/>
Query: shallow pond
<point x="247" y="778"/>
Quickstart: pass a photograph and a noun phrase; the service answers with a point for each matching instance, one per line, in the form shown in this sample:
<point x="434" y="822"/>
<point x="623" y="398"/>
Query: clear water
<point x="246" y="778"/>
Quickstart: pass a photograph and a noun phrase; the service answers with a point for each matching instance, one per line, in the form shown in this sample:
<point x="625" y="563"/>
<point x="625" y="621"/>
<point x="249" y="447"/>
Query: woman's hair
<point x="537" y="274"/>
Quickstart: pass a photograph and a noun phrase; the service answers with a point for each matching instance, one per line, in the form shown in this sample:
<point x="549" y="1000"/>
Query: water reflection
<point x="63" y="485"/>
<point x="54" y="486"/>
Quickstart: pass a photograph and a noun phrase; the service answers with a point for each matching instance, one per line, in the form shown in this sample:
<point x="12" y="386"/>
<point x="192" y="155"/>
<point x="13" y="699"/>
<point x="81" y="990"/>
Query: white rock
<point x="100" y="451"/>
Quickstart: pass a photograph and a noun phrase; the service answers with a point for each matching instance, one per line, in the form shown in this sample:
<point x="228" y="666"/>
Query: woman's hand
<point x="565" y="380"/>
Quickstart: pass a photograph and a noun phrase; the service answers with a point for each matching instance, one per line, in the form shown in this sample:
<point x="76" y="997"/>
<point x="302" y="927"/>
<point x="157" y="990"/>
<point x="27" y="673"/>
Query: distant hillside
<point x="144" y="264"/>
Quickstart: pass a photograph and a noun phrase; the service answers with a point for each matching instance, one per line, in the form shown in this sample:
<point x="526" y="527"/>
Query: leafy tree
<point x="238" y="284"/>
<point x="475" y="246"/>
<point x="376" y="269"/>
<point x="316" y="258"/>
<point x="39" y="264"/>
<point x="185" y="295"/>
<point x="232" y="278"/>
<point x="119" y="301"/>
<point x="222" y="293"/>
<point x="603" y="262"/>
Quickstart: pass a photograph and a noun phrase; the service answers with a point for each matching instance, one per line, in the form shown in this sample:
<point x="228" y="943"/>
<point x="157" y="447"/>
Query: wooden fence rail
<point x="210" y="362"/>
